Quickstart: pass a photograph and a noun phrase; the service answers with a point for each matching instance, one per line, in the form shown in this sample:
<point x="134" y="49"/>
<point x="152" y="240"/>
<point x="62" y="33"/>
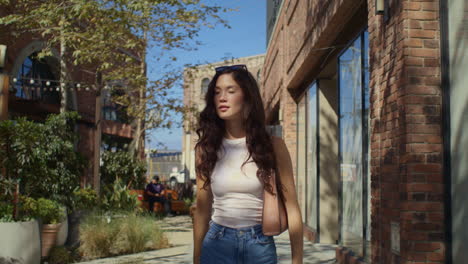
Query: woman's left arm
<point x="296" y="236"/>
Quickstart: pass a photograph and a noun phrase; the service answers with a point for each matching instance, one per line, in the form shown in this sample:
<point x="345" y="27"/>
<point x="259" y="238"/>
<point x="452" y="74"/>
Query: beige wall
<point x="300" y="169"/>
<point x="328" y="161"/>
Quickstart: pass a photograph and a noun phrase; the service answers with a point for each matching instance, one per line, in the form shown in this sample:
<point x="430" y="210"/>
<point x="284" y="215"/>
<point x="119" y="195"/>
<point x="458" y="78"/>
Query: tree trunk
<point x="97" y="134"/>
<point x="140" y="119"/>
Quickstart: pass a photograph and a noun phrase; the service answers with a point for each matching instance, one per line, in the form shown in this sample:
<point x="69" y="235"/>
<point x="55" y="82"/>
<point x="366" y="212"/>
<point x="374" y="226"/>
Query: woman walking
<point x="235" y="156"/>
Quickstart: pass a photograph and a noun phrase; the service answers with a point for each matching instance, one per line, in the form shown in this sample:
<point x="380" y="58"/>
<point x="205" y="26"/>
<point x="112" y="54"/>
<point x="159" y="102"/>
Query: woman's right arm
<point x="202" y="216"/>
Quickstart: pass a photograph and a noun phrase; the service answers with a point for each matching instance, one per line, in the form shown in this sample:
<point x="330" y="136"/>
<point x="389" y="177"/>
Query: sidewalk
<point x="179" y="232"/>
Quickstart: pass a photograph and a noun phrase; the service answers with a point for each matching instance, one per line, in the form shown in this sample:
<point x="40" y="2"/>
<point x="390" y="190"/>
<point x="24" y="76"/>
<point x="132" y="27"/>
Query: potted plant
<point x="39" y="160"/>
<point x="14" y="232"/>
<point x="51" y="214"/>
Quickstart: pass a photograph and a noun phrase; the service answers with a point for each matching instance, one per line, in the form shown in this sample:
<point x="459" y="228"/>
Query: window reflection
<point x="311" y="189"/>
<point x="354" y="104"/>
<point x="37" y="80"/>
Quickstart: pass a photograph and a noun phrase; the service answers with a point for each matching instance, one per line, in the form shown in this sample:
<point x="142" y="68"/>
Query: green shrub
<point x="6" y="212"/>
<point x="42" y="156"/>
<point x="7" y="188"/>
<point x="60" y="255"/>
<point x="122" y="166"/>
<point x="50" y="212"/>
<point x="97" y="235"/>
<point x="85" y="198"/>
<point x="139" y="233"/>
<point x="117" y="197"/>
<point x="107" y="235"/>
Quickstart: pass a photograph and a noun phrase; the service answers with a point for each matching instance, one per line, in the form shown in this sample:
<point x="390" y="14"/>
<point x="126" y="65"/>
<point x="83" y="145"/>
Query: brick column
<point x="289" y="122"/>
<point x="406" y="139"/>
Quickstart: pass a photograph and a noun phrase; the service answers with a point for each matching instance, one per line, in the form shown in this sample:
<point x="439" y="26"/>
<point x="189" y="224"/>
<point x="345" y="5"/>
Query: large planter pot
<point x="21" y="241"/>
<point x="49" y="238"/>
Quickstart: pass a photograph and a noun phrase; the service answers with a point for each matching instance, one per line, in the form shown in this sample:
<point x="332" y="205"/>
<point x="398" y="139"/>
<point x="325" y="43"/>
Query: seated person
<point x="155" y="192"/>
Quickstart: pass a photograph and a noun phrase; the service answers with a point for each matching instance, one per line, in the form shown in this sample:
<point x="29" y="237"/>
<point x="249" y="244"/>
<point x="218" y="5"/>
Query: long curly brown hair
<point x="211" y="130"/>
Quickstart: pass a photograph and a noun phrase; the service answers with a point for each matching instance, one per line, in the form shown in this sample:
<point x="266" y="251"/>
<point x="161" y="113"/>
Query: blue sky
<point x="246" y="37"/>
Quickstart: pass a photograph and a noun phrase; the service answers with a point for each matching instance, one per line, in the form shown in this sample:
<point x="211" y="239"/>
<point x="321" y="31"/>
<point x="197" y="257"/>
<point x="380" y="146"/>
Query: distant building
<point x="196" y="82"/>
<point x="163" y="163"/>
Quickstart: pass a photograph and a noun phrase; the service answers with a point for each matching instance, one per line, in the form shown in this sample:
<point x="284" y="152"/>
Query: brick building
<point x="370" y="98"/>
<point x="196" y="81"/>
<point x="34" y="91"/>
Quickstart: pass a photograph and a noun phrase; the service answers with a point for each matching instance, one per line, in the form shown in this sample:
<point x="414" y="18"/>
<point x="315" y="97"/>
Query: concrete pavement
<point x="179" y="232"/>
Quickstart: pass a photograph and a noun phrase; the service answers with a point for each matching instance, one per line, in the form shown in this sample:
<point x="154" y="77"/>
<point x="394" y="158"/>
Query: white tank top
<point x="237" y="194"/>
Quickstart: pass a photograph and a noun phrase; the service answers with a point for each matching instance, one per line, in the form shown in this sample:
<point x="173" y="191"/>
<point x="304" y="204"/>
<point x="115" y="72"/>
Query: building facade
<point x="163" y="163"/>
<point x="196" y="82"/>
<point x="370" y="101"/>
<point x="33" y="90"/>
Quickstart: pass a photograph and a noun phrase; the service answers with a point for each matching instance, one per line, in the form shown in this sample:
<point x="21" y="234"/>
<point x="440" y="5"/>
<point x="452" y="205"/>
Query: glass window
<point x="311" y="182"/>
<point x="354" y="104"/>
<point x="36" y="80"/>
<point x="456" y="90"/>
<point x="366" y="124"/>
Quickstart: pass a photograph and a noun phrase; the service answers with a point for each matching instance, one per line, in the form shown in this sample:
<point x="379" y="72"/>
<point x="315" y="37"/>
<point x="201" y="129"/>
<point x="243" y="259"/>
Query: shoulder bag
<point x="274" y="219"/>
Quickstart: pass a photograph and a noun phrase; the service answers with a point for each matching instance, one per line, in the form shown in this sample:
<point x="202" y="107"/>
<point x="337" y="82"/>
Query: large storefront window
<point x="455" y="78"/>
<point x="353" y="118"/>
<point x="311" y="181"/>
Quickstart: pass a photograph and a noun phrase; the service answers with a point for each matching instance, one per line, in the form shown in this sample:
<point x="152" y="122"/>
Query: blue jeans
<point x="237" y="246"/>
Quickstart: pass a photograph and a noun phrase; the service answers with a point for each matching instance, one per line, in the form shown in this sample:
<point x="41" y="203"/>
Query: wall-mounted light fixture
<point x="379" y="7"/>
<point x="2" y="56"/>
<point x="382" y="8"/>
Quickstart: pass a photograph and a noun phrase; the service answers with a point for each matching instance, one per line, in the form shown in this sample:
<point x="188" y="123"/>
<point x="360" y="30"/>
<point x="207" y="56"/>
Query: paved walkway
<point x="179" y="232"/>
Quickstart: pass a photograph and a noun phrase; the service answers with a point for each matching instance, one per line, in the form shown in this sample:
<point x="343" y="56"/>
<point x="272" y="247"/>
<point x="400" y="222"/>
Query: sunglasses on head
<point x="232" y="67"/>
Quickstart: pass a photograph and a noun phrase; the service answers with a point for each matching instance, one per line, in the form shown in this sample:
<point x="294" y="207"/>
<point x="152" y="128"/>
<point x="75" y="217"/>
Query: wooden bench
<point x="177" y="206"/>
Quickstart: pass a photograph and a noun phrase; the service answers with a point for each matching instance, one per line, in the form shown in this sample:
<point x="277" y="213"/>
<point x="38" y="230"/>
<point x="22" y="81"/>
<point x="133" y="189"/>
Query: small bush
<point x="41" y="157"/>
<point x="6" y="212"/>
<point x="50" y="212"/>
<point x="123" y="166"/>
<point x="106" y="235"/>
<point x="85" y="198"/>
<point x="97" y="236"/>
<point x="60" y="255"/>
<point x="117" y="197"/>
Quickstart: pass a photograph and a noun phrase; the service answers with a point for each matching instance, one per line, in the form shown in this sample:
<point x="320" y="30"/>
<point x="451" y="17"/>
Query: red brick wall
<point x="294" y="54"/>
<point x="406" y="140"/>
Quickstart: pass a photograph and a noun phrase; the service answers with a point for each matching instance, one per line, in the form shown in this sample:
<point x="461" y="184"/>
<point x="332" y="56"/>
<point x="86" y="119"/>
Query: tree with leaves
<point x="111" y="39"/>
